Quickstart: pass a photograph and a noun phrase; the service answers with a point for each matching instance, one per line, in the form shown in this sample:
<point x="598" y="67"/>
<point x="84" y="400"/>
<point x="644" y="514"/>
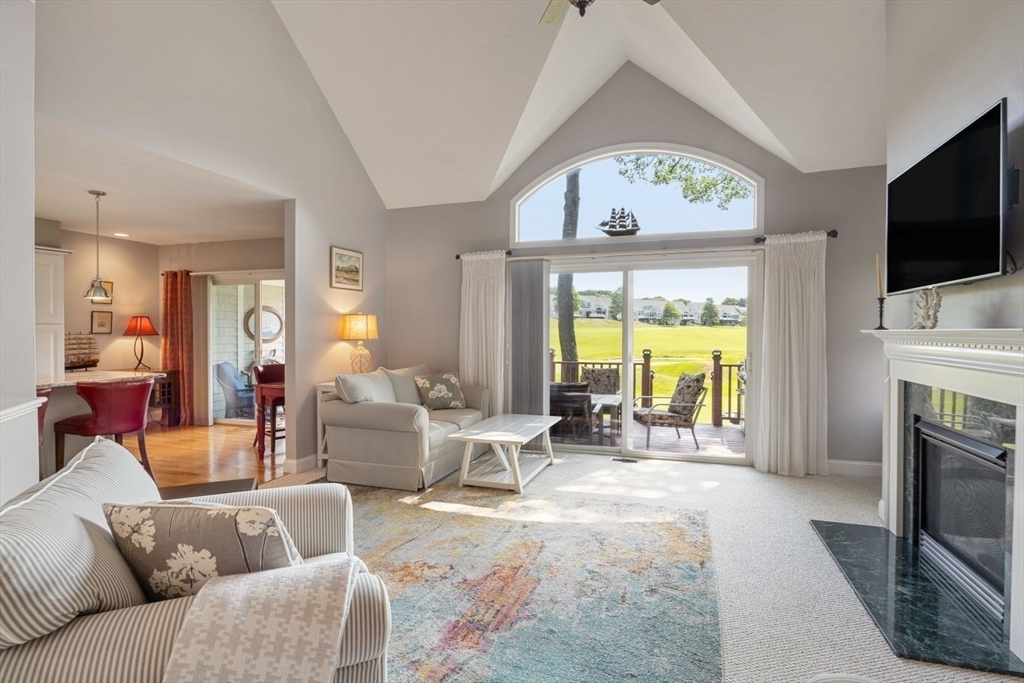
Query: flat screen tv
<point x="945" y="213"/>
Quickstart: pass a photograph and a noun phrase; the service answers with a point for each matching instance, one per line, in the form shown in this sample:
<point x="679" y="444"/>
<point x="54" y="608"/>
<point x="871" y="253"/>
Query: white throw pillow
<point x="370" y="387"/>
<point x="404" y="383"/>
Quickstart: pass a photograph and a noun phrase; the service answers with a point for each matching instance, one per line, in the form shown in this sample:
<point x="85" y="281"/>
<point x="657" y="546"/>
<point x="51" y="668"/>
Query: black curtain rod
<point x="508" y="252"/>
<point x="762" y="240"/>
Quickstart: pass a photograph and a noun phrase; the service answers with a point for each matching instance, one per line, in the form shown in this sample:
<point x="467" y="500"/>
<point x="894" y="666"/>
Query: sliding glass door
<point x="658" y="358"/>
<point x="586" y="357"/>
<point x="240" y="339"/>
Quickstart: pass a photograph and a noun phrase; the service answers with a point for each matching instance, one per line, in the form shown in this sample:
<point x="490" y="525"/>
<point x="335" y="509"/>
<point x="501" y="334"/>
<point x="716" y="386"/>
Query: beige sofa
<point x="71" y="609"/>
<point x="393" y="442"/>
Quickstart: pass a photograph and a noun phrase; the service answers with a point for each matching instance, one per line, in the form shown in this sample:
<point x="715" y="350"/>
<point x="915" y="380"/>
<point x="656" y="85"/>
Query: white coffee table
<point x="496" y="470"/>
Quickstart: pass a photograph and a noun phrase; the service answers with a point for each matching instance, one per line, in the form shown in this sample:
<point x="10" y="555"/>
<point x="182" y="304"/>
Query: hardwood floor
<point x="190" y="455"/>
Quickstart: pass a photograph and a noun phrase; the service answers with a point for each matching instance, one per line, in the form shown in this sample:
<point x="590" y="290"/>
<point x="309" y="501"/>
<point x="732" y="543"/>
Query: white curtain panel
<point x="482" y="326"/>
<point x="793" y="436"/>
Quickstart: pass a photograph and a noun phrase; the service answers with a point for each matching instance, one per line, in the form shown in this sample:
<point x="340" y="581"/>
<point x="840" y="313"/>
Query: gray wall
<point x="949" y="61"/>
<point x="18" y="467"/>
<point x="132" y="267"/>
<point x="47" y="233"/>
<point x="424" y="279"/>
<point x="206" y="257"/>
<point x="17" y="201"/>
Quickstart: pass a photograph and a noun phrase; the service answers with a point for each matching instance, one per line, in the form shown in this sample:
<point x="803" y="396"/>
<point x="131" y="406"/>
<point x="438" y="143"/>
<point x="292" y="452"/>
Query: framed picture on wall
<point x="102" y="322"/>
<point x="346" y="269"/>
<point x="109" y="302"/>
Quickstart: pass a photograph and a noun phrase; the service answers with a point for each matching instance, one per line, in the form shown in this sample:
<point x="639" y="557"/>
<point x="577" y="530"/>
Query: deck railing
<point x="727" y="382"/>
<point x="643" y="376"/>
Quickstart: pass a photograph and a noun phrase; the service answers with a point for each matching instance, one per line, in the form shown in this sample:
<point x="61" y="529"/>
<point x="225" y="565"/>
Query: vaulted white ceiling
<point x="443" y="100"/>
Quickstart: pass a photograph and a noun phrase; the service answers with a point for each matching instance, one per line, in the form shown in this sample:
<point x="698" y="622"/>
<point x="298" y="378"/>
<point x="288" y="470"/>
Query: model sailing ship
<point x="80" y="351"/>
<point x="619" y="224"/>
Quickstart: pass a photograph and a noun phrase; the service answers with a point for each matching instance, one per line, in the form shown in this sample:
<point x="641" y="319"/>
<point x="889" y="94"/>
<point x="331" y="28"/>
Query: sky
<point x="658" y="209"/>
<point x="695" y="284"/>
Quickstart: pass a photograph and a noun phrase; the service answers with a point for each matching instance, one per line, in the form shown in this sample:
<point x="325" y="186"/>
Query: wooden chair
<point x="117" y="408"/>
<point x="270" y="373"/>
<point x="663" y="412"/>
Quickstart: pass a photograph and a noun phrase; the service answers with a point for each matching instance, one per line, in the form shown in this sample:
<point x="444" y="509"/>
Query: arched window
<point x="630" y="193"/>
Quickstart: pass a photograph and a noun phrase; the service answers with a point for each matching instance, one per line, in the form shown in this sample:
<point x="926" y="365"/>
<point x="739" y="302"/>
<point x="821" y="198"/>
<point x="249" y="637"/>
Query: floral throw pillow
<point x="175" y="548"/>
<point x="684" y="398"/>
<point x="441" y="391"/>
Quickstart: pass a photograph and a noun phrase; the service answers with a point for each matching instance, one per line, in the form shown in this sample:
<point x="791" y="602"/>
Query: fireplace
<point x="962" y="520"/>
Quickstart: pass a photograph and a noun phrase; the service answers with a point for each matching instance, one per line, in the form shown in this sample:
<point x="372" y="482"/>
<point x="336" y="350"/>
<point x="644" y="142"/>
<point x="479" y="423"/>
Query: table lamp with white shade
<point x="359" y="327"/>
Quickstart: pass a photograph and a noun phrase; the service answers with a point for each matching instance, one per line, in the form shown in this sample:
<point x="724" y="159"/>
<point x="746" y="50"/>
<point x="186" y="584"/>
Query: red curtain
<point x="176" y="342"/>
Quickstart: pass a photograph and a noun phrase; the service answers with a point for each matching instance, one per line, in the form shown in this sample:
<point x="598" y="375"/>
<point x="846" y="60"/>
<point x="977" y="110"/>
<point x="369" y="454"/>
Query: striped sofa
<point x="71" y="610"/>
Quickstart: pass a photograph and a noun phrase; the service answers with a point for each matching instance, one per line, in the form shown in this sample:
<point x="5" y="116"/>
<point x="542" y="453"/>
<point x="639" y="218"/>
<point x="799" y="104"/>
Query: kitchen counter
<point x="70" y="379"/>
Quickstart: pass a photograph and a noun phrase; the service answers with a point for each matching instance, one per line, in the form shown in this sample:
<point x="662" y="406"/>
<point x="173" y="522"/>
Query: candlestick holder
<point x="881" y="309"/>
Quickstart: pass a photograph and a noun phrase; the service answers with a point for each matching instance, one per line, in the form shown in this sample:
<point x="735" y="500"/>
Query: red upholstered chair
<point x="117" y="408"/>
<point x="267" y="374"/>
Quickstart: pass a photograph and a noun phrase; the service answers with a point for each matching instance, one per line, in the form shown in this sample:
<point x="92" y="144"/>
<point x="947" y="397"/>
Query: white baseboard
<point x="854" y="468"/>
<point x="296" y="465"/>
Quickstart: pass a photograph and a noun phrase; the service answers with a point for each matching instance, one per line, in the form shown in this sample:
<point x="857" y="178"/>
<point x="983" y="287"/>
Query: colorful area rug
<point x="490" y="586"/>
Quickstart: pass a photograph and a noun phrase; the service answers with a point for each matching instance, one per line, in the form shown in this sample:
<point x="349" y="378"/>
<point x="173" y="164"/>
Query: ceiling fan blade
<point x="554" y="12"/>
<point x="652" y="2"/>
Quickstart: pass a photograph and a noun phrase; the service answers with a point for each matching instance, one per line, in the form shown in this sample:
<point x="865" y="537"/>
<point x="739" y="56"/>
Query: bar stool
<point x="117" y="408"/>
<point x="267" y="374"/>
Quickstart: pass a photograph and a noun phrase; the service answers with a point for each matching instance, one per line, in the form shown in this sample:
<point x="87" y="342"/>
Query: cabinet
<point x="49" y="350"/>
<point x="49" y="291"/>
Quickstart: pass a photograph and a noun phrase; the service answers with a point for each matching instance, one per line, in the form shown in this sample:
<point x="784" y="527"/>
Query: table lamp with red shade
<point x="140" y="326"/>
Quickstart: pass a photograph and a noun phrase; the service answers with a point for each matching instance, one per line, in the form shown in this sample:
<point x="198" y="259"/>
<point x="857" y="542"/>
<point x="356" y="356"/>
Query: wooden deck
<point x="725" y="441"/>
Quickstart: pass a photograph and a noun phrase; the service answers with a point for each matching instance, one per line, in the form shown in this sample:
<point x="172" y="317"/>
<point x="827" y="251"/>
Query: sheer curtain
<point x="482" y="325"/>
<point x="793" y="437"/>
<point x="176" y="340"/>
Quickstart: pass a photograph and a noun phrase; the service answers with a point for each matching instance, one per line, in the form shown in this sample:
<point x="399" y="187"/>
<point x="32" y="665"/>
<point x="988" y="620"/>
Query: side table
<point x="321" y="432"/>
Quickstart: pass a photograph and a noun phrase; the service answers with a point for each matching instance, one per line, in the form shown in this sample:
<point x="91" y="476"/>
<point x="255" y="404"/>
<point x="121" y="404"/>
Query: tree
<point x="567" y="298"/>
<point x="708" y="314"/>
<point x="743" y="318"/>
<point x="596" y="292"/>
<point x="615" y="305"/>
<point x="732" y="301"/>
<point x="670" y="315"/>
<point x="699" y="182"/>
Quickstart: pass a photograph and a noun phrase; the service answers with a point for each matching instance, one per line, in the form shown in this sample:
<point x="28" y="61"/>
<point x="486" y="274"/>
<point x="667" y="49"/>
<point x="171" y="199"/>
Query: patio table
<point x="610" y="404"/>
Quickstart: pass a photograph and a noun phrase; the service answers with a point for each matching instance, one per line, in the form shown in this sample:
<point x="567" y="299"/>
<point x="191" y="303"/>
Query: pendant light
<point x="96" y="291"/>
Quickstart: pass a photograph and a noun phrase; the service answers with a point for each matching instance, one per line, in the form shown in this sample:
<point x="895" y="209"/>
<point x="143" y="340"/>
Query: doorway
<point x="656" y="358"/>
<point x="239" y="339"/>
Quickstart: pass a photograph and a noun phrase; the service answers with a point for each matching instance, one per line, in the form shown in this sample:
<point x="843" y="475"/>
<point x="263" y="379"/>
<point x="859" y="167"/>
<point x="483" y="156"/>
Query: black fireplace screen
<point x="963" y="499"/>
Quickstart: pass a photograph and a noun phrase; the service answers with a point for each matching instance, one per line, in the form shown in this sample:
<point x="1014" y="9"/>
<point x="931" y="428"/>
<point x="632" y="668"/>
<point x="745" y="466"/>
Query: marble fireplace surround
<point x="984" y="363"/>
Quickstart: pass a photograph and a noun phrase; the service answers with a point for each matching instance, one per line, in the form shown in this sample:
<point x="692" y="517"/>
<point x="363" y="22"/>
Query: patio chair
<point x="601" y="380"/>
<point x="238" y="397"/>
<point x="571" y="402"/>
<point x="679" y="410"/>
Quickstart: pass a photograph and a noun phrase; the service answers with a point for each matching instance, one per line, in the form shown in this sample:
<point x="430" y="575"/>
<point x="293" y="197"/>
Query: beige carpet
<point x="787" y="614"/>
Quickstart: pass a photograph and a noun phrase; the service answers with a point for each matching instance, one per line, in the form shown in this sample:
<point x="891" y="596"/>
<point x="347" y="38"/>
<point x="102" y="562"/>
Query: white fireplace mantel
<point x="987" y="363"/>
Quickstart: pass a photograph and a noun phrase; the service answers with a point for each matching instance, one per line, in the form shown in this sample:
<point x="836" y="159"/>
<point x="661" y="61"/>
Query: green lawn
<point x="674" y="350"/>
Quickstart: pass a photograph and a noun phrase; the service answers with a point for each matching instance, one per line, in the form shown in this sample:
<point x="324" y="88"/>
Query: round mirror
<point x="272" y="324"/>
